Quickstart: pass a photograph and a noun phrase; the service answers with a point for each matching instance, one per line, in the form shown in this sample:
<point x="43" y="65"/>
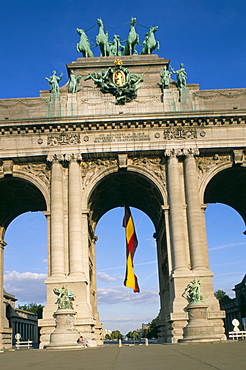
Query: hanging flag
<point x="131" y="280"/>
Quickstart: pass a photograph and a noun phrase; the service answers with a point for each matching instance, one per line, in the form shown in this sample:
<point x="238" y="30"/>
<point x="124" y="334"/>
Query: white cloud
<point x="28" y="287"/>
<point x="135" y="264"/>
<point x="105" y="277"/>
<point x="121" y="294"/>
<point x="227" y="246"/>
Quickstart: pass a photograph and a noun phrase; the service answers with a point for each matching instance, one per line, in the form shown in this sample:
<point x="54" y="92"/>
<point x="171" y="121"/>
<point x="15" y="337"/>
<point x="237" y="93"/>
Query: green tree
<point x="130" y="334"/>
<point x="153" y="328"/>
<point x="221" y="295"/>
<point x="116" y="334"/>
<point x="34" y="308"/>
<point x="145" y="333"/>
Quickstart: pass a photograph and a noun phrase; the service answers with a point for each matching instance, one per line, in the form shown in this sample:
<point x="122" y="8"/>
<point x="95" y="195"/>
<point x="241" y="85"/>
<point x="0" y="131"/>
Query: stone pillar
<point x="57" y="220"/>
<point x="177" y="232"/>
<point x="5" y="331"/>
<point x="2" y="311"/>
<point x="74" y="216"/>
<point x="195" y="214"/>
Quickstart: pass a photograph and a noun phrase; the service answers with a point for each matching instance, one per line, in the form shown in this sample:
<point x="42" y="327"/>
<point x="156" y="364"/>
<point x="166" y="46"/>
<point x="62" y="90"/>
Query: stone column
<point x="2" y="313"/>
<point x="177" y="232"/>
<point x="57" y="220"/>
<point x="195" y="214"/>
<point x="74" y="216"/>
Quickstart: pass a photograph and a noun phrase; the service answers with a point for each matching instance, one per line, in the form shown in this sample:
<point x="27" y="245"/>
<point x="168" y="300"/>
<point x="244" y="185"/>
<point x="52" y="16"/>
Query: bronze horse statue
<point x="102" y="40"/>
<point x="84" y="46"/>
<point x="132" y="40"/>
<point x="150" y="42"/>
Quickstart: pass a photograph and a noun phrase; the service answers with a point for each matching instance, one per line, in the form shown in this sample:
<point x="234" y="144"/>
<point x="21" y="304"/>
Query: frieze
<point x="205" y="164"/>
<point x="122" y="137"/>
<point x="63" y="138"/>
<point x="180" y="133"/>
<point x="155" y="165"/>
<point x="215" y="94"/>
<point x="8" y="104"/>
<point x="39" y="170"/>
<point x="92" y="168"/>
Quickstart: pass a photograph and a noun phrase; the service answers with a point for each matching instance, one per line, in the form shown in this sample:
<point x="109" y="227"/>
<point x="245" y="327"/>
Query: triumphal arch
<point x="125" y="129"/>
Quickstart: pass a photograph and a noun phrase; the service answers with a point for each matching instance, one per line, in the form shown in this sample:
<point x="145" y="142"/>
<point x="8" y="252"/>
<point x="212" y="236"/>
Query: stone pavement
<point x="223" y="356"/>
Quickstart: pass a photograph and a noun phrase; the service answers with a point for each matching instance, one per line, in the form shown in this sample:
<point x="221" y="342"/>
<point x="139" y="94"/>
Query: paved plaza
<point x="223" y="356"/>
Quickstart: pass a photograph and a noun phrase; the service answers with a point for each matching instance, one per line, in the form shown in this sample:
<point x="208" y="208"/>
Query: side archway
<point x="17" y="196"/>
<point x="228" y="187"/>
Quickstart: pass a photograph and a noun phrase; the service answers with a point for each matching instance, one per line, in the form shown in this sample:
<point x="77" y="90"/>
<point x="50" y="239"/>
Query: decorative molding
<point x="238" y="156"/>
<point x="205" y="164"/>
<point x="122" y="160"/>
<point x="174" y="152"/>
<point x="154" y="165"/>
<point x="63" y="139"/>
<point x="55" y="157"/>
<point x="180" y="133"/>
<point x="38" y="170"/>
<point x="8" y="167"/>
<point x="73" y="157"/>
<point x="92" y="168"/>
<point x="191" y="152"/>
<point x="216" y="94"/>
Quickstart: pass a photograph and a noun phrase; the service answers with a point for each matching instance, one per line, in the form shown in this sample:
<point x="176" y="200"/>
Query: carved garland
<point x="38" y="170"/>
<point x="92" y="168"/>
<point x="154" y="165"/>
<point x="205" y="164"/>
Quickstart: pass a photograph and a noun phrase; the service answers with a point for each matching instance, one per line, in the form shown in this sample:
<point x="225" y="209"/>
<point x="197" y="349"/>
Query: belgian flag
<point x="131" y="280"/>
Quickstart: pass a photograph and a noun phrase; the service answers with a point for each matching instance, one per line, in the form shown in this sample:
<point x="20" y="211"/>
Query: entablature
<point x="122" y="121"/>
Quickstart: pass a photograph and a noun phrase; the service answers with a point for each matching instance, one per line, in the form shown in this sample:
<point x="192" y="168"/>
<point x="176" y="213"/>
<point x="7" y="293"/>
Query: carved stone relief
<point x="154" y="165"/>
<point x="180" y="133"/>
<point x="216" y="94"/>
<point x="205" y="164"/>
<point x="38" y="170"/>
<point x="63" y="138"/>
<point x="92" y="168"/>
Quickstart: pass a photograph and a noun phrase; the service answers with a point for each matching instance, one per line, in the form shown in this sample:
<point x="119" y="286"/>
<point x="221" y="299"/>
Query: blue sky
<point x="39" y="36"/>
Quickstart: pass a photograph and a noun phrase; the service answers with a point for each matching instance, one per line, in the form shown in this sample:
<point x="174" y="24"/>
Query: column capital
<point x="173" y="152"/>
<point x="3" y="244"/>
<point x="55" y="157"/>
<point x="191" y="152"/>
<point x="62" y="157"/>
<point x="178" y="152"/>
<point x="73" y="157"/>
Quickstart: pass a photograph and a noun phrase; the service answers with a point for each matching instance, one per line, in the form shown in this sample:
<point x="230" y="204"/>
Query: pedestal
<point x="199" y="329"/>
<point x="65" y="335"/>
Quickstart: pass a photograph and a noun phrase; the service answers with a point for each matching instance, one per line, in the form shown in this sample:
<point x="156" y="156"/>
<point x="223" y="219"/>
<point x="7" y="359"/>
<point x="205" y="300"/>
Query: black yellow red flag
<point x="131" y="280"/>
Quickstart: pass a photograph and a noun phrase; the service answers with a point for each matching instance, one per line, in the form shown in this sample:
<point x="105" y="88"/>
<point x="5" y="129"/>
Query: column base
<point x="65" y="335"/>
<point x="199" y="329"/>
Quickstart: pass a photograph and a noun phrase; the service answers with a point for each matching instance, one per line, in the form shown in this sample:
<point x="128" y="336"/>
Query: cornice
<point x="123" y="121"/>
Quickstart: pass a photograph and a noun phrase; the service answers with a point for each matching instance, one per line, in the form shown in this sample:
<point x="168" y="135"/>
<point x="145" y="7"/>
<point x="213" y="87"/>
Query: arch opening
<point x="18" y="196"/>
<point x="228" y="187"/>
<point x="106" y="205"/>
<point x="126" y="187"/>
<point x="24" y="235"/>
<point x="226" y="238"/>
<point x="120" y="308"/>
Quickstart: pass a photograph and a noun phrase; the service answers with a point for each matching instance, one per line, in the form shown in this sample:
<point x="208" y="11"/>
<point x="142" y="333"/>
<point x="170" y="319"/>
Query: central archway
<point x="139" y="191"/>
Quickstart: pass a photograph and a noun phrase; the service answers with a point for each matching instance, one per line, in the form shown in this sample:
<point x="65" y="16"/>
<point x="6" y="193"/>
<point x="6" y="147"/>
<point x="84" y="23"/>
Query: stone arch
<point x="137" y="188"/>
<point x="21" y="193"/>
<point x="226" y="185"/>
<point x="208" y="176"/>
<point x="126" y="187"/>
